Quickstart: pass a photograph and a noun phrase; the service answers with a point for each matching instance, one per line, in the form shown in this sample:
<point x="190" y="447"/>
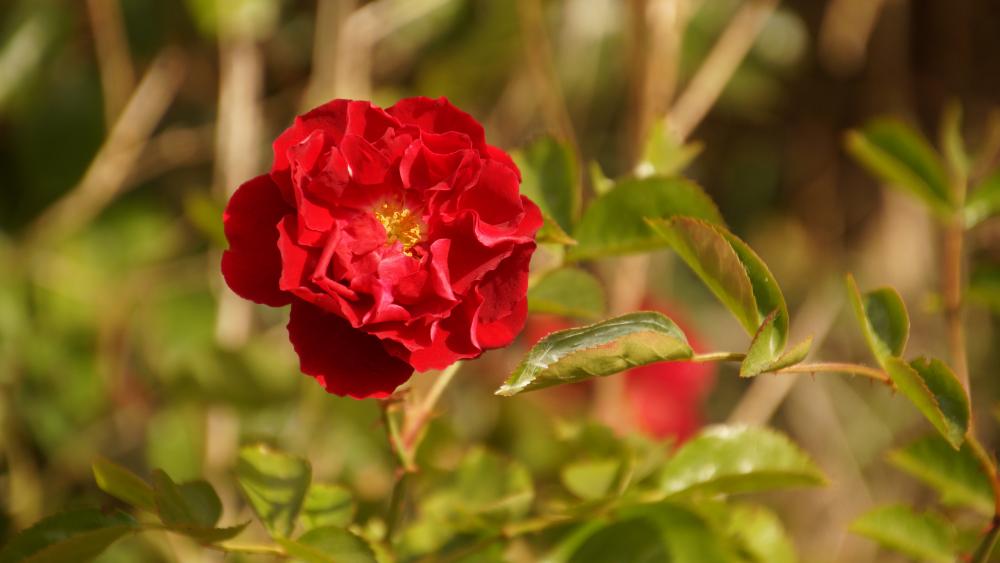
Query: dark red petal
<point x="438" y="116"/>
<point x="346" y="361"/>
<point x="252" y="265"/>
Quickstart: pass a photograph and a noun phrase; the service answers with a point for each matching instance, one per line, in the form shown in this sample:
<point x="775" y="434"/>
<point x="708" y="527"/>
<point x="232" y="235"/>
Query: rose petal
<point x="346" y="361"/>
<point x="438" y="116"/>
<point x="252" y="264"/>
<point x="495" y="196"/>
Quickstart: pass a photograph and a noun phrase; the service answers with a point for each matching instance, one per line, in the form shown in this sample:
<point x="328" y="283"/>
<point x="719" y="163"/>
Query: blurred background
<point x="125" y="125"/>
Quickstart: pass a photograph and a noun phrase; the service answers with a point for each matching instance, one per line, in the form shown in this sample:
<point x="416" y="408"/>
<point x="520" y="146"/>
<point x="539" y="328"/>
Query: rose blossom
<point x="398" y="236"/>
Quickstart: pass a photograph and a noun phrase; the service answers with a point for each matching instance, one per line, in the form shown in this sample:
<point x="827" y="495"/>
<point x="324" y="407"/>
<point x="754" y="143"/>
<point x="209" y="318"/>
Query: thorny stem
<point x="421" y="416"/>
<point x="816" y="367"/>
<point x="839" y="367"/>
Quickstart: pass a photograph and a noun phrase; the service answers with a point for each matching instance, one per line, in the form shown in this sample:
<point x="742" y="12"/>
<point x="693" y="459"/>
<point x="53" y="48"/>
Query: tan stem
<point x="113" y="162"/>
<point x="715" y="72"/>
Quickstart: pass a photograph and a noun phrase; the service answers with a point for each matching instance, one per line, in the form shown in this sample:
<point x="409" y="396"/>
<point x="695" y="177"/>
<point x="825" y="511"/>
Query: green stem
<point x="396" y="502"/>
<point x="985" y="549"/>
<point x="838" y="367"/>
<point x="421" y="416"/>
<point x="718" y="357"/>
<point x="250" y="548"/>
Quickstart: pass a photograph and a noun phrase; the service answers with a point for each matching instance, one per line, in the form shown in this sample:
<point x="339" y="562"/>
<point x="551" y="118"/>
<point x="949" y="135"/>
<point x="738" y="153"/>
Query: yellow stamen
<point x="400" y="224"/>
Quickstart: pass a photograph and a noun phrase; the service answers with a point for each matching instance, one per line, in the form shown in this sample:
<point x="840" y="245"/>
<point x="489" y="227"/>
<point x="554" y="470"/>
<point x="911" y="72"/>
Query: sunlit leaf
<point x="983" y="200"/>
<point x="68" y="537"/>
<point x="736" y="459"/>
<point x="663" y="155"/>
<point x="883" y="320"/>
<point x="600" y="181"/>
<point x="551" y="179"/>
<point x="927" y="537"/>
<point x="600" y="349"/>
<point x="734" y="273"/>
<point x="614" y="223"/>
<point x="328" y="544"/>
<point x="327" y="505"/>
<point x="760" y="533"/>
<point x="902" y="157"/>
<point x="122" y="484"/>
<point x="937" y="394"/>
<point x="956" y="475"/>
<point x="275" y="483"/>
<point x="591" y="478"/>
<point x="568" y="292"/>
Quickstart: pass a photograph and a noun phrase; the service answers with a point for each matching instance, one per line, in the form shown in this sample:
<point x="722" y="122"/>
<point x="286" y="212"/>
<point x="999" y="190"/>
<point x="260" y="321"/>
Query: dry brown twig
<point x="106" y="175"/>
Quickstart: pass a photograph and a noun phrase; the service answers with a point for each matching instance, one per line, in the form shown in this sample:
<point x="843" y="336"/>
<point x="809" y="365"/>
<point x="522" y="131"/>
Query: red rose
<point x="398" y="237"/>
<point x="666" y="398"/>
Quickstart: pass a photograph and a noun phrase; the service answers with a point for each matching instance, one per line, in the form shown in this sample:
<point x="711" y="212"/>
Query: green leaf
<point x="275" y="483"/>
<point x="766" y="291"/>
<point x="122" y="484"/>
<point x="900" y="156"/>
<point x="927" y="536"/>
<point x="663" y="155"/>
<point x="760" y="533"/>
<point x="552" y="233"/>
<point x="734" y="273"/>
<point x="883" y="319"/>
<point x="937" y="394"/>
<point x="328" y="544"/>
<point x="736" y="459"/>
<point x="191" y="508"/>
<point x="613" y="224"/>
<point x="654" y="532"/>
<point x="596" y="350"/>
<point x="327" y="505"/>
<point x="202" y="502"/>
<point x="983" y="201"/>
<point x="68" y="537"/>
<point x="602" y="184"/>
<point x="795" y="355"/>
<point x="591" y="479"/>
<point x="551" y="179"/>
<point x="956" y="475"/>
<point x="170" y="502"/>
<point x="763" y="357"/>
<point x="492" y="487"/>
<point x="568" y="292"/>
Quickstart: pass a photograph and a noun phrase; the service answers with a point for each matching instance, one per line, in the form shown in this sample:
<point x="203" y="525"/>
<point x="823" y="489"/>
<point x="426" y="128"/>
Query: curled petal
<point x="252" y="264"/>
<point x="438" y="116"/>
<point x="345" y="360"/>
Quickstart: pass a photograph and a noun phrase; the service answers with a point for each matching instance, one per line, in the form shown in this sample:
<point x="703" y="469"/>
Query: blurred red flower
<point x="398" y="236"/>
<point x="666" y="398"/>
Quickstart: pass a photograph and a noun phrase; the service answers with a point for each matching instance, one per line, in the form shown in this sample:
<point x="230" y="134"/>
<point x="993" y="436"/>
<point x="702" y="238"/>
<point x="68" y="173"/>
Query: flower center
<point x="400" y="224"/>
